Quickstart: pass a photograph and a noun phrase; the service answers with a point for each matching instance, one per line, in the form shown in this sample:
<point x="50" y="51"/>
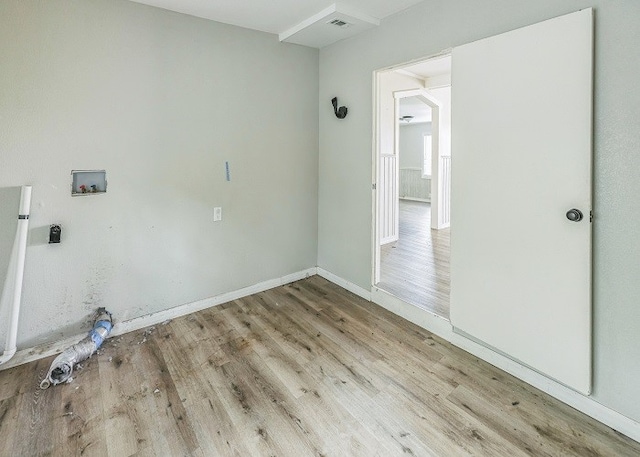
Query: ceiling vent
<point x="328" y="26"/>
<point x="339" y="22"/>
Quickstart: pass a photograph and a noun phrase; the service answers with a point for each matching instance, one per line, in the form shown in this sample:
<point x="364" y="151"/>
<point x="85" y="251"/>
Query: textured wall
<point x="160" y="100"/>
<point x="436" y="25"/>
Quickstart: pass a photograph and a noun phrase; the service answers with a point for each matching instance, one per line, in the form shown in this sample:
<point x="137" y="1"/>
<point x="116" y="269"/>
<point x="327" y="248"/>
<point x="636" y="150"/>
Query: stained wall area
<point x="161" y="101"/>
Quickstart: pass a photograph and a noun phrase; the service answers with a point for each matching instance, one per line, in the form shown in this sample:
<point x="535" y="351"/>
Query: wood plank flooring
<point x="306" y="369"/>
<point x="416" y="267"/>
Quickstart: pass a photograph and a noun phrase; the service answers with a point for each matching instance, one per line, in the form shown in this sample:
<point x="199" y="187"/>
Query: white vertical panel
<point x="388" y="211"/>
<point x="413" y="185"/>
<point x="520" y="270"/>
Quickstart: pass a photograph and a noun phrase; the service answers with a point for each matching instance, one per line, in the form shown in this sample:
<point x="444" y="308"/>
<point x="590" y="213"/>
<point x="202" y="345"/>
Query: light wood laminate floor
<point x="306" y="369"/>
<point x="416" y="267"/>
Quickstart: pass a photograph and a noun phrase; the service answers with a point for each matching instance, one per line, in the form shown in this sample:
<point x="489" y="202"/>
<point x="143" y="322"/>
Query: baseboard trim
<point x="49" y="349"/>
<point x="443" y="328"/>
<point x="351" y="287"/>
<point x="41" y="351"/>
<point x="182" y="310"/>
<point x="412" y="199"/>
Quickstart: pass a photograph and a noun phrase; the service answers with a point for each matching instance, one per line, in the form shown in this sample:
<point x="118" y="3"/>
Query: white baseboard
<point x="351" y="287"/>
<point x="412" y="199"/>
<point x="430" y="321"/>
<point x="161" y="316"/>
<point x="41" y="351"/>
<point x="442" y="327"/>
<point x="48" y="349"/>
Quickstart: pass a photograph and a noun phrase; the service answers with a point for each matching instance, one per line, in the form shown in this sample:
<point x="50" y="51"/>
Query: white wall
<point x="435" y="25"/>
<point x="412" y="144"/>
<point x="391" y="82"/>
<point x="160" y="100"/>
<point x="443" y="95"/>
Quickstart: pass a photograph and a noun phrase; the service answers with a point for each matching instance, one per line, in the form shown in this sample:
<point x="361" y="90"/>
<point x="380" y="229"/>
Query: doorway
<point x="413" y="144"/>
<point x="521" y="236"/>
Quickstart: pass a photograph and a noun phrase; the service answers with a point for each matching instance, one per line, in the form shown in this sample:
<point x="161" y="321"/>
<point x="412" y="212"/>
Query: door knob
<point x="574" y="215"/>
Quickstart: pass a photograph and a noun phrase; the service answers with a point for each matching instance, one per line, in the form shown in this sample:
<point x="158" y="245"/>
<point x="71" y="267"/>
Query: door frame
<point x="375" y="152"/>
<point x="436" y="149"/>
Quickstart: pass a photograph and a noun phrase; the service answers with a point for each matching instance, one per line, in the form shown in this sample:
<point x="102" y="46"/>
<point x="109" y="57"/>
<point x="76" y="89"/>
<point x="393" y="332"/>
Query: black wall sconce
<point x="341" y="112"/>
<point x="54" y="233"/>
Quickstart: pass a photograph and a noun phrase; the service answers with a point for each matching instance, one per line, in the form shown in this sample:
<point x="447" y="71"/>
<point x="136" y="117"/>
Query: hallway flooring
<point x="416" y="267"/>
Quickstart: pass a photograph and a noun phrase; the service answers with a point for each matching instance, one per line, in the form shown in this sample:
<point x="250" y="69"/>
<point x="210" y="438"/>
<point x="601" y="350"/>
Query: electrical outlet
<point x="217" y="214"/>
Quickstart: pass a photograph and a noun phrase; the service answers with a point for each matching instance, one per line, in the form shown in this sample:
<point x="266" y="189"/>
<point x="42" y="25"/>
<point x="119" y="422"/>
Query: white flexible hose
<point x="17" y="259"/>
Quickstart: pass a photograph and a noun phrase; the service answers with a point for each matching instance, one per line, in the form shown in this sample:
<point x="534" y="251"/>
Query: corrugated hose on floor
<point x="62" y="367"/>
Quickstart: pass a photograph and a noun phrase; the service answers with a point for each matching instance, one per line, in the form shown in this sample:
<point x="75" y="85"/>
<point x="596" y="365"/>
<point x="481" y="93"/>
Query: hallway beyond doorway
<point x="416" y="267"/>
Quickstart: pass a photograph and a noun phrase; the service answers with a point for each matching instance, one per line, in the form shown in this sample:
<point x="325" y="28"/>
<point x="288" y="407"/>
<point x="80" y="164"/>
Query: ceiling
<point x="413" y="106"/>
<point x="436" y="73"/>
<point x="296" y="21"/>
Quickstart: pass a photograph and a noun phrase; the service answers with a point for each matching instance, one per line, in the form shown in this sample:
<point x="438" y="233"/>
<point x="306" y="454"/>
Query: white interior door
<point x="521" y="138"/>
